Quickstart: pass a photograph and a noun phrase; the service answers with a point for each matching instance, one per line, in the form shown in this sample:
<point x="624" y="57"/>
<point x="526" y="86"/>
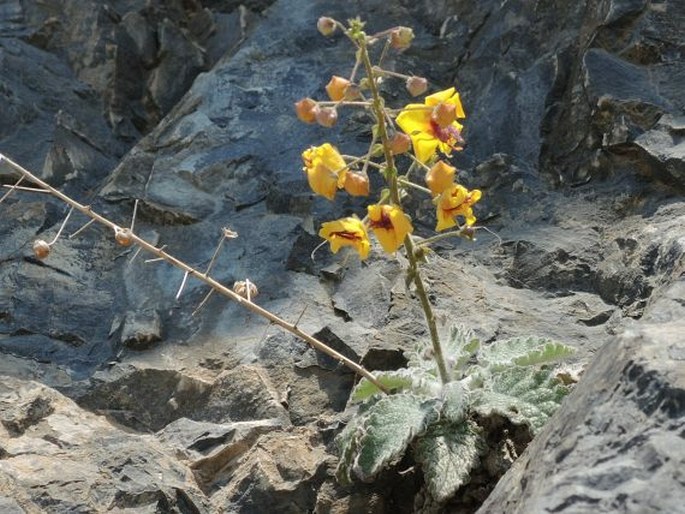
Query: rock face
<point x="619" y="435"/>
<point x="575" y="135"/>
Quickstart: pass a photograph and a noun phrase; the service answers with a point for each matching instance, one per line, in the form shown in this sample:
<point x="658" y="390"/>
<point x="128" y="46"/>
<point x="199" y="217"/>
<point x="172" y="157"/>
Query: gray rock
<point x="616" y="443"/>
<point x="573" y="134"/>
<point x="58" y="458"/>
<point x="140" y="330"/>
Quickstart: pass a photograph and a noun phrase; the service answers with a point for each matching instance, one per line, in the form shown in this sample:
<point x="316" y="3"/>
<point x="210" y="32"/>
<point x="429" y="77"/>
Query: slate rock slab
<point x="616" y="444"/>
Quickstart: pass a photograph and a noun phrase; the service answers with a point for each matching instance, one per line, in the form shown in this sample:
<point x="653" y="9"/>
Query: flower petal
<point x="390" y="226"/>
<point x="439" y="97"/>
<point x="347" y="232"/>
<point x="414" y="118"/>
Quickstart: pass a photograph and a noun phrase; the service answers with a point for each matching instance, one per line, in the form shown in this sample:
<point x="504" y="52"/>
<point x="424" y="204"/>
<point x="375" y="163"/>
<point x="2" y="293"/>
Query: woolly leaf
<point x="454" y="398"/>
<point x="524" y="351"/>
<point x="447" y="454"/>
<point x="393" y="380"/>
<point x="388" y="428"/>
<point x="549" y="353"/>
<point x="522" y="394"/>
<point x="460" y="342"/>
<point x="348" y="443"/>
<point x="459" y="345"/>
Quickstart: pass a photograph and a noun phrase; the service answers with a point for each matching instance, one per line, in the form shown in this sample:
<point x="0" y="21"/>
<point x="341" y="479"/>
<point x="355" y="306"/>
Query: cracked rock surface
<point x="116" y="395"/>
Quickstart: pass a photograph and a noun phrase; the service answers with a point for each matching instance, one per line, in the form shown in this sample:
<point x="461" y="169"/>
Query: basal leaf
<point x="522" y="394"/>
<point x="393" y="380"/>
<point x="347" y="442"/>
<point x="447" y="454"/>
<point x="523" y="351"/>
<point x="548" y="353"/>
<point x="388" y="428"/>
<point x="454" y="402"/>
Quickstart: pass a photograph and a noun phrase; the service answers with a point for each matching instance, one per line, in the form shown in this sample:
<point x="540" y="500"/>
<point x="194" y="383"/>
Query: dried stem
<point x="216" y="286"/>
<point x="12" y="189"/>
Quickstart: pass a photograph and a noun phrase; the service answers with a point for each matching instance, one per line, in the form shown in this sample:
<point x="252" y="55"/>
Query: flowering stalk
<point x="391" y="174"/>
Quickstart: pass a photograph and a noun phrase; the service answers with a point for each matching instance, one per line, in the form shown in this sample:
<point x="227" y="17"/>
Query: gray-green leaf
<point x="398" y="380"/>
<point x="522" y="351"/>
<point x="454" y="402"/>
<point x="447" y="454"/>
<point x="388" y="428"/>
<point x="522" y="394"/>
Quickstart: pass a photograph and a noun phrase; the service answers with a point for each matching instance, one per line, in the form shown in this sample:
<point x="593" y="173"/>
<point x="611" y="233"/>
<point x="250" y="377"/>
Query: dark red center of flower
<point x="352" y="236"/>
<point x="384" y="222"/>
<point x="449" y="135"/>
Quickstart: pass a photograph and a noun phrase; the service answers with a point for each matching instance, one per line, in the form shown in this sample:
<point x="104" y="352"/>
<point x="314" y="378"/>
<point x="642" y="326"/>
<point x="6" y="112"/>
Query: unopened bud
<point x="400" y="143"/>
<point x="440" y="177"/>
<point x="306" y="110"/>
<point x="356" y="184"/>
<point x="444" y="114"/>
<point x="327" y="116"/>
<point x="469" y="233"/>
<point x="123" y="236"/>
<point x="41" y="249"/>
<point x="326" y="25"/>
<point x="337" y="88"/>
<point x="401" y="38"/>
<point x="416" y="86"/>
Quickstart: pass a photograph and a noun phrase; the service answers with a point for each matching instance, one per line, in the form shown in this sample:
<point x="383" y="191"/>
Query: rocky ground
<point x="117" y="396"/>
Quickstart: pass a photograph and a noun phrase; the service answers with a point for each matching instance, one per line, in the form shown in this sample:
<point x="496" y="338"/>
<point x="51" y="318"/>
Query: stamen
<point x="384" y="222"/>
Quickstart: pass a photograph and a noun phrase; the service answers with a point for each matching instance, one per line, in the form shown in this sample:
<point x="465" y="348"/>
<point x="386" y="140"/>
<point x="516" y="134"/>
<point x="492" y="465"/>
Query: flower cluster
<point x="428" y="129"/>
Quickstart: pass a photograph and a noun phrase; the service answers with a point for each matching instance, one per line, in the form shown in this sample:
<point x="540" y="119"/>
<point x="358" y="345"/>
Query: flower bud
<point x="326" y="25"/>
<point x="401" y="38"/>
<point x="337" y="88"/>
<point x="444" y="114"/>
<point x="123" y="236"/>
<point x="469" y="233"/>
<point x="400" y="143"/>
<point x="41" y="249"/>
<point x="416" y="86"/>
<point x="440" y="177"/>
<point x="306" y="110"/>
<point x="327" y="116"/>
<point x="356" y="184"/>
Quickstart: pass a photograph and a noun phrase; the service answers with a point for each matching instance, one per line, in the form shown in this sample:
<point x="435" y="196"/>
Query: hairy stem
<point x="203" y="277"/>
<point x="414" y="271"/>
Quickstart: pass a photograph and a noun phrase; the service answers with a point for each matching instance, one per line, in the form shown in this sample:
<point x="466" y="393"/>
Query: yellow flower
<point x="325" y="169"/>
<point x="453" y="202"/>
<point x="440" y="177"/>
<point x="346" y="232"/>
<point x="427" y="136"/>
<point x="390" y="225"/>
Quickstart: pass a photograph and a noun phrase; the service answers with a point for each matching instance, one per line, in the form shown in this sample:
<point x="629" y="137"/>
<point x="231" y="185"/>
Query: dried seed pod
<point x="416" y="85"/>
<point x="356" y="184"/>
<point x="400" y="143"/>
<point x="306" y="110"/>
<point x="41" y="249"/>
<point x="327" y="116"/>
<point x="337" y="87"/>
<point x="123" y="236"/>
<point x="246" y="289"/>
<point x="401" y="38"/>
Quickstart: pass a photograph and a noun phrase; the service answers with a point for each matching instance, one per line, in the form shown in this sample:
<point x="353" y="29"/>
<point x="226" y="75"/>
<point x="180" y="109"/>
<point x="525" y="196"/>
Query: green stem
<point x="379" y="112"/>
<point x="411" y="184"/>
<point x="459" y="233"/>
